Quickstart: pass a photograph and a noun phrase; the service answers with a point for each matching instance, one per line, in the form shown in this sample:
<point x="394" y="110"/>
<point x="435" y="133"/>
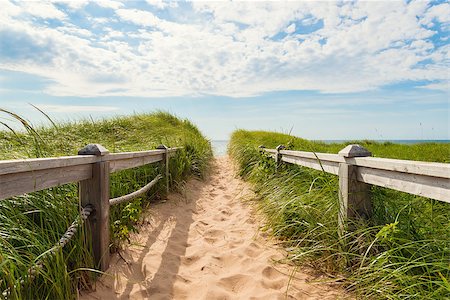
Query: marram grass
<point x="402" y="252"/>
<point x="31" y="224"/>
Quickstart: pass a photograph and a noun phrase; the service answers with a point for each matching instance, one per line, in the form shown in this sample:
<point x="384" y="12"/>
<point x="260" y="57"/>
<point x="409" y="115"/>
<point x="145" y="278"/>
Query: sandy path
<point x="205" y="244"/>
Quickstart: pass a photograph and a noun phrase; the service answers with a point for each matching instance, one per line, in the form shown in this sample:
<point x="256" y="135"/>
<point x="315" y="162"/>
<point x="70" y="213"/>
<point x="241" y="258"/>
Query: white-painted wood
<point x="26" y="182"/>
<point x="421" y="185"/>
<point x="322" y="165"/>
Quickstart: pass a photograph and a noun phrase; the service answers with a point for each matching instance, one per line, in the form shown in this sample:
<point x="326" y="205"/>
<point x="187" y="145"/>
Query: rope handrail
<point x="135" y="194"/>
<point x="66" y="237"/>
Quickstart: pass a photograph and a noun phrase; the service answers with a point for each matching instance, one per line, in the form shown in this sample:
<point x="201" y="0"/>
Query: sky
<point x="316" y="69"/>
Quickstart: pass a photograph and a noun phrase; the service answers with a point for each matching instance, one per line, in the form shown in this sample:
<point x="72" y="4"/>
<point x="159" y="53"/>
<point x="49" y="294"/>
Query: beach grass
<point x="401" y="252"/>
<point x="31" y="224"/>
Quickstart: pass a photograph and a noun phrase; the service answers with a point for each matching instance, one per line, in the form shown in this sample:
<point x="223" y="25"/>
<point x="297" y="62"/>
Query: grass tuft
<point x="31" y="224"/>
<point x="401" y="252"/>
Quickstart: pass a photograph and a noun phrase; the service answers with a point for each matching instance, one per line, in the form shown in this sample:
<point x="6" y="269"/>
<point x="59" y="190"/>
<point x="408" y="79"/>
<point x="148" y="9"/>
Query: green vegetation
<point x="402" y="252"/>
<point x="31" y="224"/>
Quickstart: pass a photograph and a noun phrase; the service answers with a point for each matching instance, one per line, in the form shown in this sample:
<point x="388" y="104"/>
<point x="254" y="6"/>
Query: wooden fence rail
<point x="357" y="171"/>
<point x="91" y="169"/>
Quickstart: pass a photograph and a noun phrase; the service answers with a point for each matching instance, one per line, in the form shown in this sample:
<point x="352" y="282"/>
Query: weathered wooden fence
<point x="91" y="168"/>
<point x="357" y="171"/>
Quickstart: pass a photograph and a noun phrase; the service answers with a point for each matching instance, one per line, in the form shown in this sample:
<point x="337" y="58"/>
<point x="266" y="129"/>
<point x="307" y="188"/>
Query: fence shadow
<point x="175" y="218"/>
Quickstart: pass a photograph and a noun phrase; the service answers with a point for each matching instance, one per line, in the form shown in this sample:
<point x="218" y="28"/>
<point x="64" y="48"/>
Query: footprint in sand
<point x="235" y="243"/>
<point x="270" y="273"/>
<point x="213" y="236"/>
<point x="217" y="293"/>
<point x="253" y="250"/>
<point x="190" y="260"/>
<point x="235" y="283"/>
<point x="273" y="284"/>
<point x="201" y="224"/>
<point x="219" y="217"/>
<point x="225" y="210"/>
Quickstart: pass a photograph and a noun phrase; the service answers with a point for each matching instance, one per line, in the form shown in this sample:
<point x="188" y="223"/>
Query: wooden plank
<point x="354" y="197"/>
<point x="129" y="155"/>
<point x="405" y="166"/>
<point x="26" y="182"/>
<point x="421" y="185"/>
<point x="95" y="192"/>
<point x="273" y="151"/>
<point x="313" y="155"/>
<point x="327" y="166"/>
<point x="34" y="164"/>
<point x="118" y="165"/>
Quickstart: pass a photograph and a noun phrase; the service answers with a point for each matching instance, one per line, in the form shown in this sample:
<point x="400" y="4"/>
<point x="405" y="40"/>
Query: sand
<point x="206" y="243"/>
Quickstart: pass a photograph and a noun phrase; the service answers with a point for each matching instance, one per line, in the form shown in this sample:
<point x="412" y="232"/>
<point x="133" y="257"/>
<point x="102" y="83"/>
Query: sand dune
<point x="206" y="244"/>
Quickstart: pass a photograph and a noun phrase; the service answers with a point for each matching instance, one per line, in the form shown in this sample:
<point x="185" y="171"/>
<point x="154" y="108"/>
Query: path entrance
<point x="205" y="243"/>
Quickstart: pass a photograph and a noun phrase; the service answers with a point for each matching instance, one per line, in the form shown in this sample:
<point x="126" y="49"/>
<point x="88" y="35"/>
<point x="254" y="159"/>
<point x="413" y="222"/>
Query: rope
<point x="67" y="236"/>
<point x="135" y="194"/>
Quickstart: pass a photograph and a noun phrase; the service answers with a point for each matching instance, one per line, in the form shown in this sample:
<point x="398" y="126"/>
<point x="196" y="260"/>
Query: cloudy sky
<point x="321" y="69"/>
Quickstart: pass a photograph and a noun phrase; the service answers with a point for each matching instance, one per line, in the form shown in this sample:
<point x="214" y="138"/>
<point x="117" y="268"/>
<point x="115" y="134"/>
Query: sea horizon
<point x="220" y="146"/>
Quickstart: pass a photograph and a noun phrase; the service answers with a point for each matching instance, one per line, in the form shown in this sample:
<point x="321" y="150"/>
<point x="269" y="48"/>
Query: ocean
<point x="220" y="146"/>
<point x="409" y="142"/>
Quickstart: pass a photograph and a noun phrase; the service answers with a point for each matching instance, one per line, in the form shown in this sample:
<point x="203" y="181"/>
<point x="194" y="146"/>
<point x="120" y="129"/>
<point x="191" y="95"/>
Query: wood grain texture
<point x="26" y="182"/>
<point x="313" y="155"/>
<point x="427" y="179"/>
<point x="327" y="166"/>
<point x="405" y="166"/>
<point x="95" y="191"/>
<point x="426" y="186"/>
<point x="128" y="155"/>
<point x="128" y="163"/>
<point x="35" y="164"/>
<point x="354" y="196"/>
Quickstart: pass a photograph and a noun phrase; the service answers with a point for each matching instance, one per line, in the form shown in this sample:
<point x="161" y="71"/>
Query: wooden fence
<point x="91" y="168"/>
<point x="357" y="171"/>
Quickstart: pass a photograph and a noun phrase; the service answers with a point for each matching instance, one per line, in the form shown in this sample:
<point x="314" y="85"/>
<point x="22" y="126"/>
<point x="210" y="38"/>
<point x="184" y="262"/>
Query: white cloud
<point x="42" y="9"/>
<point x="109" y="4"/>
<point x="71" y="4"/>
<point x="291" y="28"/>
<point x="138" y="17"/>
<point x="229" y="48"/>
<point x="161" y="4"/>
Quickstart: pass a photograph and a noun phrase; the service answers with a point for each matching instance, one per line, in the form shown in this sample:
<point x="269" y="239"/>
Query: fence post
<point x="354" y="197"/>
<point x="279" y="155"/>
<point x="95" y="191"/>
<point x="166" y="163"/>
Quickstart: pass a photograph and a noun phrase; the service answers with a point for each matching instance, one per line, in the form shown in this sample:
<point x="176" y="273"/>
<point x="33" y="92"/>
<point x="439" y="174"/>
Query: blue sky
<point x="321" y="70"/>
